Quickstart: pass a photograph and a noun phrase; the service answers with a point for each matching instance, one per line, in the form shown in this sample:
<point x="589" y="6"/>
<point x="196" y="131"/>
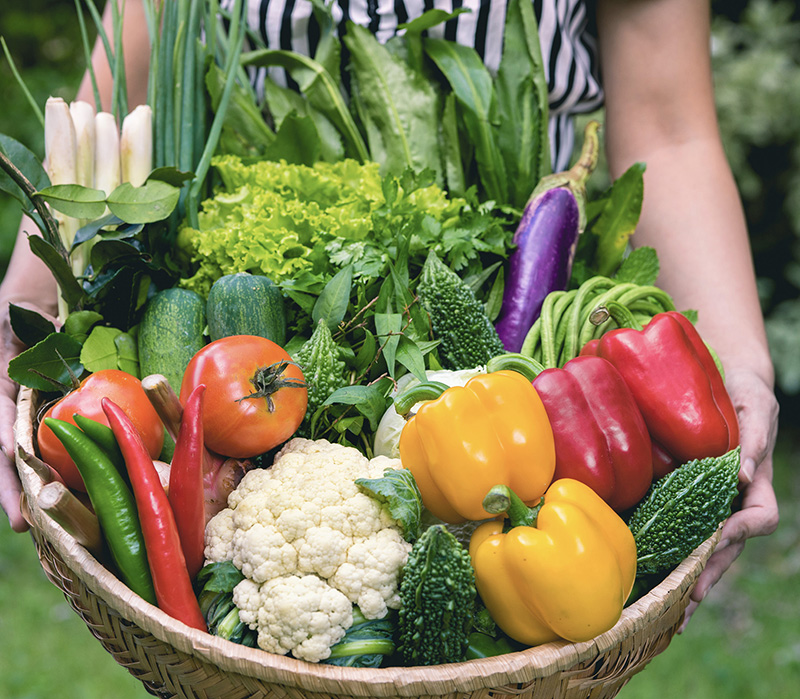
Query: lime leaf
<point x="49" y="363"/>
<point x="75" y="201"/>
<point x="79" y="323"/>
<point x="153" y="201"/>
<point x="99" y="351"/>
<point x="29" y="326"/>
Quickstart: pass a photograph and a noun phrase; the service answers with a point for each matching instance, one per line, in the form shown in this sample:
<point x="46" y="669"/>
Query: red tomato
<point x="255" y="396"/>
<point x="122" y="388"/>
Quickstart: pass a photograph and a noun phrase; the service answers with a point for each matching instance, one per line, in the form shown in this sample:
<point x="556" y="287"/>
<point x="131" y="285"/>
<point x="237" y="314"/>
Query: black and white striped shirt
<point x="568" y="48"/>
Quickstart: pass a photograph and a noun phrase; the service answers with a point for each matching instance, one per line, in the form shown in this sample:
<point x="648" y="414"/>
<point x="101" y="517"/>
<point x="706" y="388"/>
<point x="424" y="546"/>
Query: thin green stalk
<point x="237" y="41"/>
<point x="103" y="36"/>
<point x="120" y="90"/>
<point x="178" y="59"/>
<point x="188" y="94"/>
<point x="87" y="54"/>
<point x="36" y="109"/>
<point x="168" y="38"/>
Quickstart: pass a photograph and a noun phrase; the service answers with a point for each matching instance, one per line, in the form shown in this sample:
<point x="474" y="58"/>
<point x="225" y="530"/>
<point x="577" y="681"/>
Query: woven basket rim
<point x="514" y="668"/>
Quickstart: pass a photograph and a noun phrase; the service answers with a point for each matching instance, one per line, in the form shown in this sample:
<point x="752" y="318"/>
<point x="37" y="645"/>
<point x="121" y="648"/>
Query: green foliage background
<point x="744" y="640"/>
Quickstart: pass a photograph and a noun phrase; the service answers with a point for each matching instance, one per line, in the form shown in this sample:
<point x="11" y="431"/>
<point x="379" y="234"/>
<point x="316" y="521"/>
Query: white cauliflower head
<point x="303" y="530"/>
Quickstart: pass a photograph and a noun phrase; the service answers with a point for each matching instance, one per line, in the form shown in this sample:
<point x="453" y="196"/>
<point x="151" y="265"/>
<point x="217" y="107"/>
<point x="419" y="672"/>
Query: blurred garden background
<point x="744" y="640"/>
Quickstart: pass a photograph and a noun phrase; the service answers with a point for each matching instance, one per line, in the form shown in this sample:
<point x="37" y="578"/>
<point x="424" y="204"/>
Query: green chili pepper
<point x="103" y="436"/>
<point x="482" y="645"/>
<point x="114" y="505"/>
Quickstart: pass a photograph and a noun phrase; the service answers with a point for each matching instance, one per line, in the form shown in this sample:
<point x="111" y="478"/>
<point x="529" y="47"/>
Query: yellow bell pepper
<point x="564" y="569"/>
<point x="492" y="430"/>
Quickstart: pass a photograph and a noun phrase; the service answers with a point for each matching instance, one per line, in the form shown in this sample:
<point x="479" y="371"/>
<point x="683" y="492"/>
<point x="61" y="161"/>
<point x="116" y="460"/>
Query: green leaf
<point x="322" y="91"/>
<point x="522" y="99"/>
<point x="398" y="490"/>
<point x="641" y="267"/>
<point x="494" y="300"/>
<point x="74" y="200"/>
<point x="370" y="401"/>
<point x="54" y="358"/>
<point x="29" y="326"/>
<point x="99" y="351"/>
<point x="410" y="356"/>
<point x="398" y="107"/>
<point x="334" y="299"/>
<point x="79" y="323"/>
<point x="153" y="201"/>
<point x="619" y="218"/>
<point x="28" y="164"/>
<point x="127" y="354"/>
<point x="473" y="87"/>
<point x="72" y="292"/>
<point x="388" y="327"/>
<point x="366" y="353"/>
<point x="297" y="141"/>
<point x="454" y="162"/>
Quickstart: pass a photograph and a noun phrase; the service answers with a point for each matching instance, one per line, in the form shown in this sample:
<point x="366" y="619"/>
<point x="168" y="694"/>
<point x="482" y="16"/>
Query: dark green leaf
<point x="454" y="162"/>
<point x="90" y="230"/>
<point x="473" y="87"/>
<point x="410" y="356"/>
<point x="79" y="323"/>
<point x="171" y="175"/>
<point x="334" y="299"/>
<point x="70" y="289"/>
<point x="370" y="401"/>
<point x="619" y="218"/>
<point x="494" y="300"/>
<point x="388" y="327"/>
<point x="297" y="141"/>
<point x="54" y="357"/>
<point x="153" y="201"/>
<point x="398" y="107"/>
<point x="28" y="164"/>
<point x="639" y="267"/>
<point x="366" y="353"/>
<point x="219" y="577"/>
<point x="399" y="491"/>
<point x="127" y="354"/>
<point x="29" y="326"/>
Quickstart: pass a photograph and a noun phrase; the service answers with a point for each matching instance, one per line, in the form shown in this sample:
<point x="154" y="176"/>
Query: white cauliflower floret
<point x="311" y="544"/>
<point x="298" y="614"/>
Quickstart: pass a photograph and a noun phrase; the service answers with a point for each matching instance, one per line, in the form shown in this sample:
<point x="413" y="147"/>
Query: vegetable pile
<point x="355" y="378"/>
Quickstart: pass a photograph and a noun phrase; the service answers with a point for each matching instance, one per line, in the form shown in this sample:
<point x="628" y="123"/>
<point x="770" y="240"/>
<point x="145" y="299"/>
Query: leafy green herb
<point x="398" y="490"/>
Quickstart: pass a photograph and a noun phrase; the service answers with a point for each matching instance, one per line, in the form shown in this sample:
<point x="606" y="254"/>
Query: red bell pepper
<point x="186" y="495"/>
<point x="675" y="382"/>
<point x="600" y="435"/>
<point x="173" y="586"/>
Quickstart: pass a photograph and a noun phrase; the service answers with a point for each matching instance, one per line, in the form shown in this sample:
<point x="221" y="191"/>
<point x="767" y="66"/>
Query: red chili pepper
<point x="186" y="495"/>
<point x="675" y="382"/>
<point x="600" y="435"/>
<point x="171" y="580"/>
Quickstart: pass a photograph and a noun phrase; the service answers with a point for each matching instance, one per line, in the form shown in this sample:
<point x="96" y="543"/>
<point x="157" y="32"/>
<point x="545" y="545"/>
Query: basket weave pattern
<point x="172" y="660"/>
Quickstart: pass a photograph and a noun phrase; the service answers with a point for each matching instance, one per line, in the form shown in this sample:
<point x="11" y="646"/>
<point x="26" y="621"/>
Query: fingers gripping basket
<point x="173" y="660"/>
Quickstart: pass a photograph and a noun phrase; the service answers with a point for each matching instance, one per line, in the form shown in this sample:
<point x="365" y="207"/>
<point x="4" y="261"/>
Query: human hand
<point x="757" y="409"/>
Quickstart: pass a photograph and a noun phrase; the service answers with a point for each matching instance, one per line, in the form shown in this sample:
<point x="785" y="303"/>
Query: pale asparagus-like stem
<point x="106" y="153"/>
<point x="56" y="500"/>
<point x="165" y="401"/>
<point x="136" y="145"/>
<point x="39" y="467"/>
<point x="83" y="120"/>
<point x="61" y="157"/>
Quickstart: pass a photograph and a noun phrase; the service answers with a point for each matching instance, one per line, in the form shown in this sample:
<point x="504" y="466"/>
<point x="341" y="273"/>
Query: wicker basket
<point x="173" y="660"/>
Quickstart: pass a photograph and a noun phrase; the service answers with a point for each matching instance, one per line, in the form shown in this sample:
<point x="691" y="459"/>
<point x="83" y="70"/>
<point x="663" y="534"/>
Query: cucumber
<point x="171" y="333"/>
<point x="246" y="304"/>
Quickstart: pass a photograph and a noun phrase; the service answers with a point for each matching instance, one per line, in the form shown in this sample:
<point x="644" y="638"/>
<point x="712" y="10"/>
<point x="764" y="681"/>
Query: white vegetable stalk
<point x="106" y="154"/>
<point x="61" y="157"/>
<point x="136" y="146"/>
<point x="83" y="120"/>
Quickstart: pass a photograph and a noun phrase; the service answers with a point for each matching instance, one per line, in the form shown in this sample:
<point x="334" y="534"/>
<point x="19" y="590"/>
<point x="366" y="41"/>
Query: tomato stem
<point x="270" y="379"/>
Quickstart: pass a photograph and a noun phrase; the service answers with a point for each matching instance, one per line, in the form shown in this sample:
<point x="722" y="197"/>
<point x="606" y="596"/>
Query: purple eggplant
<point x="545" y="243"/>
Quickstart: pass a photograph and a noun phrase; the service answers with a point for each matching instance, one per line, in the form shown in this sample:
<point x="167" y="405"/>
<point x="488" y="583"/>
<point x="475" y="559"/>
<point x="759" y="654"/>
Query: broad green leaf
<point x="454" y="163"/>
<point x="319" y="87"/>
<point x="80" y="323"/>
<point x="494" y="300"/>
<point x="297" y="141"/>
<point x="72" y="292"/>
<point x="171" y="175"/>
<point x="522" y="99"/>
<point x="29" y="326"/>
<point x="388" y="327"/>
<point x="370" y="401"/>
<point x="28" y="164"/>
<point x="473" y="87"/>
<point x="99" y="351"/>
<point x="90" y="230"/>
<point x="75" y="201"/>
<point x="54" y="357"/>
<point x="641" y="267"/>
<point x="410" y="356"/>
<point x="153" y="201"/>
<point x="127" y="354"/>
<point x="619" y="218"/>
<point x="366" y="353"/>
<point x="398" y="107"/>
<point x="398" y="490"/>
<point x="334" y="299"/>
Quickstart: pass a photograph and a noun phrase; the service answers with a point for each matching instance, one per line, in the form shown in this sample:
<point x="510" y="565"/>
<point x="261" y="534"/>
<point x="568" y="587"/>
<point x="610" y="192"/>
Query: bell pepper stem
<point x="616" y="312"/>
<point x="427" y="390"/>
<point x="502" y="500"/>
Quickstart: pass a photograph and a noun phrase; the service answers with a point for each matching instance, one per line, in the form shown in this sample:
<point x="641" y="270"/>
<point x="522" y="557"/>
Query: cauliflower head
<point x="310" y="544"/>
